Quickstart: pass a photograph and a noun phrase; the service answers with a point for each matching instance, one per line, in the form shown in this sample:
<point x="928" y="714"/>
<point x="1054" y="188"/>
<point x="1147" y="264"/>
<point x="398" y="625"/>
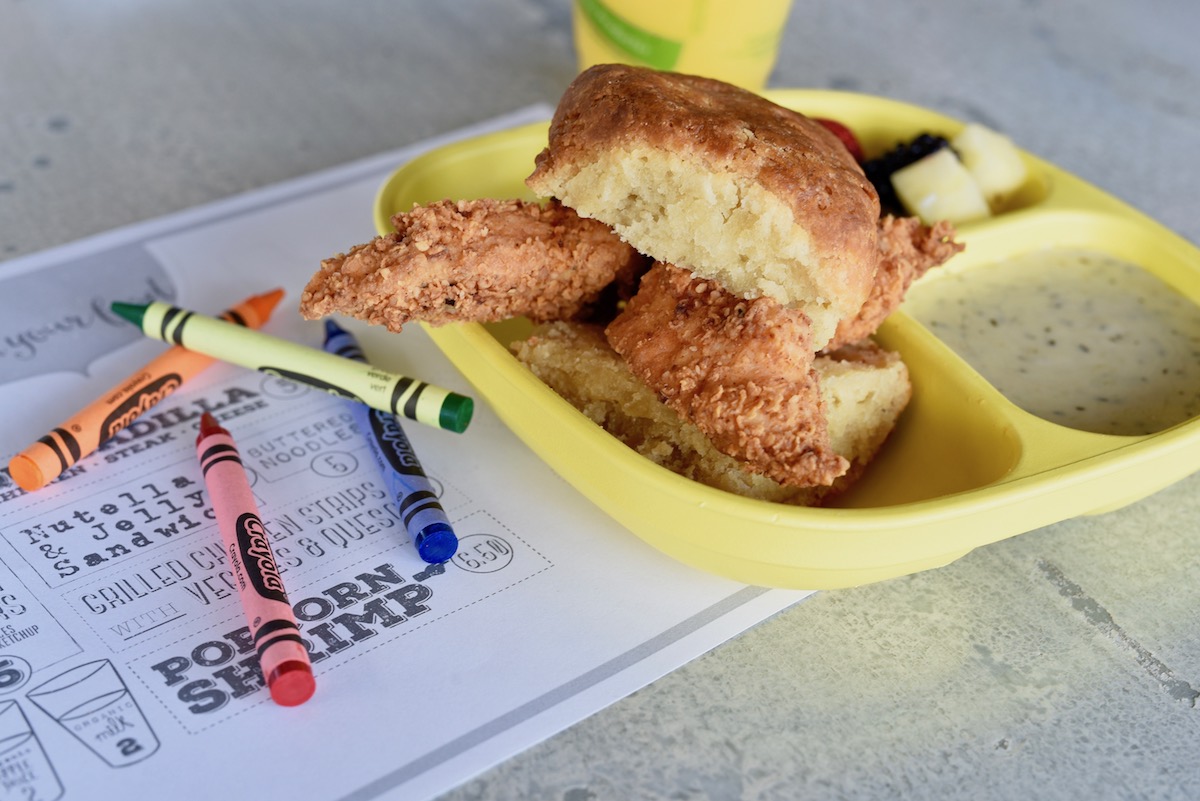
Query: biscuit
<point x="711" y="177"/>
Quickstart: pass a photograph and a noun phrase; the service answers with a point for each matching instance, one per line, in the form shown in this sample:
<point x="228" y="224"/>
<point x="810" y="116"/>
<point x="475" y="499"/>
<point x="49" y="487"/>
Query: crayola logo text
<point x="395" y="445"/>
<point x="257" y="559"/>
<point x="141" y="401"/>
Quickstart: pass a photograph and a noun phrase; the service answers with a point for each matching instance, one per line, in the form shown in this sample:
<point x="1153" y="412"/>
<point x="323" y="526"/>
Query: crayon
<point x="92" y="426"/>
<point x="281" y="653"/>
<point x="389" y="392"/>
<point x="402" y="473"/>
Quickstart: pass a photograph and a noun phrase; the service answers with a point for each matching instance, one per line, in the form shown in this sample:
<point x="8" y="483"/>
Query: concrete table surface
<point x="1063" y="663"/>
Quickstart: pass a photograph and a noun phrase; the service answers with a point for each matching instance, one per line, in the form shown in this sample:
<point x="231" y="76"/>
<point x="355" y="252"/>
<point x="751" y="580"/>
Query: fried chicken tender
<point x="740" y="370"/>
<point x="865" y="388"/>
<point x="907" y="250"/>
<point x="476" y="260"/>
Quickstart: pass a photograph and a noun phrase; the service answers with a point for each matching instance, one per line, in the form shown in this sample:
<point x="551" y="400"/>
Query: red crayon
<point x="281" y="654"/>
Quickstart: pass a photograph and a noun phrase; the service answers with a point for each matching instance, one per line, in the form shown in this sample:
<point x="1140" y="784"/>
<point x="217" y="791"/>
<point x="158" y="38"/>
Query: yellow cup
<point x="734" y="40"/>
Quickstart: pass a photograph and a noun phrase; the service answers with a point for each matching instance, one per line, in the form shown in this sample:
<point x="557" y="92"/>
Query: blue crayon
<point x="403" y="475"/>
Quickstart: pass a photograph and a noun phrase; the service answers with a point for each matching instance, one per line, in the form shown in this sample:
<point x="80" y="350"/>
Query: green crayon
<point x="337" y="375"/>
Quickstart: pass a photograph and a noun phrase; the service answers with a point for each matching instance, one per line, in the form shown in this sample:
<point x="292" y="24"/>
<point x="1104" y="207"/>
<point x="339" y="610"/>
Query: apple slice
<point x="939" y="187"/>
<point x="992" y="159"/>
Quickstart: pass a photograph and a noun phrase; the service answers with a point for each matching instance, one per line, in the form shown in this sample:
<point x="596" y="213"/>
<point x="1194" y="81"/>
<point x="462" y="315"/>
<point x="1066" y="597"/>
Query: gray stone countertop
<point x="1063" y="663"/>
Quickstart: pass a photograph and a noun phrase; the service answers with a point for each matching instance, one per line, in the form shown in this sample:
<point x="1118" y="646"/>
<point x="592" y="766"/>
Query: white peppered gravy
<point x="1075" y="337"/>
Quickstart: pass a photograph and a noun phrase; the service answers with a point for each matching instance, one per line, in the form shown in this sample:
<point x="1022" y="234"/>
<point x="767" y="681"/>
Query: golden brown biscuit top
<point x="790" y="155"/>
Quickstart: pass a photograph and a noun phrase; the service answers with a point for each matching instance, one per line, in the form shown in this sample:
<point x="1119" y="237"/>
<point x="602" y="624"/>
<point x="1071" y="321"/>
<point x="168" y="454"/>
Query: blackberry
<point x="879" y="170"/>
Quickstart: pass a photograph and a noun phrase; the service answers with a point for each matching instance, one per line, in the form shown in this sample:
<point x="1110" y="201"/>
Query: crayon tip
<point x="291" y="683"/>
<point x="26" y="473"/>
<point x="456" y="412"/>
<point x="265" y="303"/>
<point x="332" y="329"/>
<point x="133" y="312"/>
<point x="436" y="543"/>
<point x="209" y="426"/>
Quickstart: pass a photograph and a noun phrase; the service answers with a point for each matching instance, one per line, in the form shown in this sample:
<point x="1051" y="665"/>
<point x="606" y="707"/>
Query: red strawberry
<point x="846" y="135"/>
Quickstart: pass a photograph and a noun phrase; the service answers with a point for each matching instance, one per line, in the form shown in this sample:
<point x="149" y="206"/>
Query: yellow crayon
<point x="338" y="375"/>
<point x="96" y="423"/>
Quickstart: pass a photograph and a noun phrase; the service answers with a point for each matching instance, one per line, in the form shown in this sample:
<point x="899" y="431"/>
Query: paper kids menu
<point x="128" y="666"/>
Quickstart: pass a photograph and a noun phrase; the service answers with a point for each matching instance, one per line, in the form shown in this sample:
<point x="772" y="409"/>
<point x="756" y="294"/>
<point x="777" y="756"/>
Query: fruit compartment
<point x="881" y="124"/>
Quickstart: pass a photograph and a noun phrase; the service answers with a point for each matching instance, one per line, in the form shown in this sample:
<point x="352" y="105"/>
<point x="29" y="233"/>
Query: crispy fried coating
<point x="740" y="370"/>
<point x="865" y="388"/>
<point x="907" y="250"/>
<point x="475" y="260"/>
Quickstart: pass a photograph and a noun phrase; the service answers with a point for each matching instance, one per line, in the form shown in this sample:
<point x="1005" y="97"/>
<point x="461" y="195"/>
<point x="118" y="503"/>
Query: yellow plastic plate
<point x="964" y="467"/>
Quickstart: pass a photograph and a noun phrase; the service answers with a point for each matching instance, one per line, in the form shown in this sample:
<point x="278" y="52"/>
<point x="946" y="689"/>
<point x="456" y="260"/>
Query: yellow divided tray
<point x="964" y="467"/>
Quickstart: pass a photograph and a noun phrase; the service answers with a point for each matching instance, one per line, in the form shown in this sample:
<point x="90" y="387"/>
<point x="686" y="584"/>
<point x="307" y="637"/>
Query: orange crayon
<point x="281" y="653"/>
<point x="46" y="459"/>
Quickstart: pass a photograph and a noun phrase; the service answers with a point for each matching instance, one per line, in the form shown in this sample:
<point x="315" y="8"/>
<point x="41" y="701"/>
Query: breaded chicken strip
<point x="475" y="260"/>
<point x="865" y="388"/>
<point x="740" y="370"/>
<point x="907" y="250"/>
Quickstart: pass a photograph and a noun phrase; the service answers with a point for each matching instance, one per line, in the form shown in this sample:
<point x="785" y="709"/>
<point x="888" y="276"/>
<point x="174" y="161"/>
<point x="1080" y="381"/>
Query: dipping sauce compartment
<point x="1075" y="336"/>
<point x="966" y="466"/>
